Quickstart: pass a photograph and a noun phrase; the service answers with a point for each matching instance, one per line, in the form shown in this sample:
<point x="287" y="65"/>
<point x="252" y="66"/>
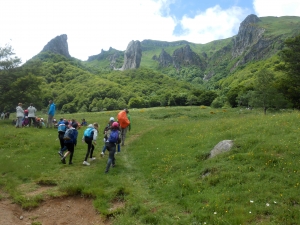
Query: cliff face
<point x="132" y="56"/>
<point x="164" y="59"/>
<point x="185" y="57"/>
<point x="58" y="45"/>
<point x="249" y="33"/>
<point x="181" y="57"/>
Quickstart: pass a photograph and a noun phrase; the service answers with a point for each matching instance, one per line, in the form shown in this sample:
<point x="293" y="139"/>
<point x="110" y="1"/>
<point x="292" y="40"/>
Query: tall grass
<point x="163" y="175"/>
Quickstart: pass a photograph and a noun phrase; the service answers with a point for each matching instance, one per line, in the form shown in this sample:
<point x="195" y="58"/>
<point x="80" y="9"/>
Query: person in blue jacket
<point x="51" y="114"/>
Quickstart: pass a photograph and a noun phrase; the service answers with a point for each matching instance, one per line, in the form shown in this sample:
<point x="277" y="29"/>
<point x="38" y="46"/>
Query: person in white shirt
<point x="20" y="115"/>
<point x="31" y="114"/>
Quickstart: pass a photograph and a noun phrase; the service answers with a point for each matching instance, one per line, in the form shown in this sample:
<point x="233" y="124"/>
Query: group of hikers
<point x="114" y="136"/>
<point x="114" y="132"/>
<point x="27" y="117"/>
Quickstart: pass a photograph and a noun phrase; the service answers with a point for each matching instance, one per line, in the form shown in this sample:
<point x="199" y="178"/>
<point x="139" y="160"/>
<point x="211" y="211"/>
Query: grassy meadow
<point x="163" y="174"/>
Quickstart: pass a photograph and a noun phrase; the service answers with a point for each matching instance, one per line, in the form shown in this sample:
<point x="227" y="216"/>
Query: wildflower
<point x="251" y="201"/>
<point x="267" y="204"/>
<point x="215" y="213"/>
<point x="275" y="202"/>
<point x="249" y="211"/>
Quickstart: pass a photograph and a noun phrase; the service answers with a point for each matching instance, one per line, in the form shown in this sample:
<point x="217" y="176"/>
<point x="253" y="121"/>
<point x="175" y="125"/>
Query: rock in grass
<point x="223" y="146"/>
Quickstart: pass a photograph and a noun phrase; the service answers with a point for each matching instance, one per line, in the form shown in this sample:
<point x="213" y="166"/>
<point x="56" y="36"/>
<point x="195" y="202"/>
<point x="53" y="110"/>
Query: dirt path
<point x="63" y="211"/>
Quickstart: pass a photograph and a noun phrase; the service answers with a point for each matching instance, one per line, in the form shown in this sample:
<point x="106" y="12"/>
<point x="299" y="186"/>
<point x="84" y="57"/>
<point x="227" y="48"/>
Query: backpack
<point x="61" y="128"/>
<point x="89" y="132"/>
<point x="68" y="135"/>
<point x="114" y="137"/>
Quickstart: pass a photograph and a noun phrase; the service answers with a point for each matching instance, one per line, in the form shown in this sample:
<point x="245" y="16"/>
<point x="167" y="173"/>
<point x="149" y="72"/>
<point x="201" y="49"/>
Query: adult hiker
<point x="51" y="114"/>
<point x="31" y="114"/>
<point x="20" y="115"/>
<point x="125" y="124"/>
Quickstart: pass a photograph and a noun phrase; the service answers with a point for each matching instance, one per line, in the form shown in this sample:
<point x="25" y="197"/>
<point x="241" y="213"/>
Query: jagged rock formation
<point x="181" y="57"/>
<point x="58" y="45"/>
<point x="185" y="56"/>
<point x="249" y="33"/>
<point x="164" y="59"/>
<point x="112" y="55"/>
<point x="132" y="56"/>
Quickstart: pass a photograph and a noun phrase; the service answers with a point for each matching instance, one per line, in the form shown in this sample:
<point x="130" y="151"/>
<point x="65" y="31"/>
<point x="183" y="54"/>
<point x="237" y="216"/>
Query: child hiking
<point x="90" y="137"/>
<point x="113" y="138"/>
<point x="110" y="122"/>
<point x="70" y="142"/>
<point x="61" y="129"/>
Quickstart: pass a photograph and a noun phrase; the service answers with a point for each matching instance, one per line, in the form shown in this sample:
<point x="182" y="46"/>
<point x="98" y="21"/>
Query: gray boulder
<point x="221" y="147"/>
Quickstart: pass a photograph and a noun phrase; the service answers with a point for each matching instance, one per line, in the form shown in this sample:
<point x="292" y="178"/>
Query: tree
<point x="8" y="74"/>
<point x="7" y="61"/>
<point x="265" y="94"/>
<point x="290" y="85"/>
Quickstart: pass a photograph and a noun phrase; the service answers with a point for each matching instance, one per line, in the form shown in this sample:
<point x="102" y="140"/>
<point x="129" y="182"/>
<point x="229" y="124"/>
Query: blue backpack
<point x="114" y="137"/>
<point x="61" y="128"/>
<point x="89" y="133"/>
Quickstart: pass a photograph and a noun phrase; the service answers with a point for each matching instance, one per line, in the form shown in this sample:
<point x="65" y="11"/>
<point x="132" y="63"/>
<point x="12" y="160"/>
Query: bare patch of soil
<point x="58" y="211"/>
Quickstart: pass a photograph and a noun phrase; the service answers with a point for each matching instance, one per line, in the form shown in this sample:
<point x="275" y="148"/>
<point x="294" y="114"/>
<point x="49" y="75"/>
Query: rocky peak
<point x="165" y="59"/>
<point x="58" y="45"/>
<point x="248" y="35"/>
<point x="132" y="56"/>
<point x="185" y="56"/>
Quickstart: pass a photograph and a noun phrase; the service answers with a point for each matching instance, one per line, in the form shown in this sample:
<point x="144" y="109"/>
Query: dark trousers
<point x="111" y="147"/>
<point x="70" y="147"/>
<point x="90" y="148"/>
<point x="61" y="140"/>
<point x="33" y="121"/>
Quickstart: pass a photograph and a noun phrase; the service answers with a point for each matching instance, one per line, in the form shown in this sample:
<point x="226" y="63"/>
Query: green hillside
<point x="97" y="84"/>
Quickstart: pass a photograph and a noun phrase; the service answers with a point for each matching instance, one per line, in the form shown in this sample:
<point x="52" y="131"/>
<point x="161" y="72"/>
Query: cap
<point x="126" y="110"/>
<point x="112" y="119"/>
<point x="75" y="125"/>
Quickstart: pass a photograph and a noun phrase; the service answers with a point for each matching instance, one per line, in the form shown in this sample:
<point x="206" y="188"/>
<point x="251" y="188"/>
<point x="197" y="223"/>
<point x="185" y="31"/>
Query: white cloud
<point x="215" y="23"/>
<point x="92" y="25"/>
<point x="276" y="8"/>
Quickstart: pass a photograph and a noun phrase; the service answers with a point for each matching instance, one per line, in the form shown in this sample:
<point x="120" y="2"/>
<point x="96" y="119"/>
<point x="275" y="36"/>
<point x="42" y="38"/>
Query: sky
<point x="93" y="25"/>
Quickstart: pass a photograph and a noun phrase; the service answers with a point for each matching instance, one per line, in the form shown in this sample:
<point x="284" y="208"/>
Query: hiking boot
<point x="113" y="165"/>
<point x="85" y="163"/>
<point x="63" y="160"/>
<point x="70" y="163"/>
<point x="102" y="154"/>
<point x="92" y="159"/>
<point x="106" y="171"/>
<point x="60" y="153"/>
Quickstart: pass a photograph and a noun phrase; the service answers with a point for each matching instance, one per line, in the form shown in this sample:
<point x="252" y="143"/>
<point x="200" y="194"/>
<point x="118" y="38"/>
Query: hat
<point x="115" y="124"/>
<point x="75" y="125"/>
<point x="66" y="123"/>
<point x="112" y="119"/>
<point x="126" y="110"/>
<point x="42" y="118"/>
